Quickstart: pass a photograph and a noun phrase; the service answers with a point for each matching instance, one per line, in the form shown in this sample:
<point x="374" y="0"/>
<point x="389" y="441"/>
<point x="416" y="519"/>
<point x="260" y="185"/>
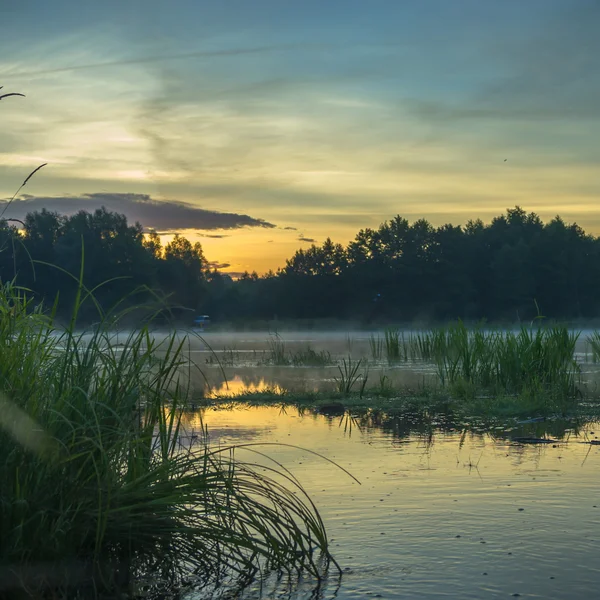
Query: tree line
<point x="510" y="269"/>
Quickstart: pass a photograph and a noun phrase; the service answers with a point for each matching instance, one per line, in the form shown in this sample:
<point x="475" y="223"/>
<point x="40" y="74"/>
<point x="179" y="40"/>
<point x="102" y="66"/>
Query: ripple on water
<point x="485" y="519"/>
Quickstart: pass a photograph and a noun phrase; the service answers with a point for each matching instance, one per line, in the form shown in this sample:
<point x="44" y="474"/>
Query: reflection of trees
<point x="407" y="424"/>
<point x="557" y="429"/>
<point x="425" y="425"/>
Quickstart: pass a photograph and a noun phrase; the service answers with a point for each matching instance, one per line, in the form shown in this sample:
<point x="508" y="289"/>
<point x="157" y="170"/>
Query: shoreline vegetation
<point x="532" y="371"/>
<point x="104" y="492"/>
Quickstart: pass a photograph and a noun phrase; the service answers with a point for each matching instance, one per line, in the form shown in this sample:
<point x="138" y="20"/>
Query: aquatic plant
<point x="376" y="347"/>
<point x="103" y="492"/>
<point x="230" y="356"/>
<point x="385" y="387"/>
<point x="392" y="345"/>
<point x="350" y="375"/>
<point x="308" y="357"/>
<point x="277" y="354"/>
<point x="534" y="360"/>
<point x="593" y="341"/>
<point x="421" y="346"/>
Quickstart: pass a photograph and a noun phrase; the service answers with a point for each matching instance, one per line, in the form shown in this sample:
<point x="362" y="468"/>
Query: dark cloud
<point x="306" y="239"/>
<point x="162" y="215"/>
<point x="216" y="236"/>
<point x="290" y="228"/>
<point x="219" y="265"/>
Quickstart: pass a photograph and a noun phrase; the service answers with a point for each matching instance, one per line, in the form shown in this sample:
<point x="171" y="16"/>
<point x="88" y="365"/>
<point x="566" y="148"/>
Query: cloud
<point x="290" y="228"/>
<point x="216" y="236"/>
<point x="232" y="52"/>
<point x="306" y="239"/>
<point x="218" y="265"/>
<point x="162" y="215"/>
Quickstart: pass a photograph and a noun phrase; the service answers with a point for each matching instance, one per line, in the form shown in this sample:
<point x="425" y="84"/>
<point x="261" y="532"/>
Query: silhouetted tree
<point x="398" y="272"/>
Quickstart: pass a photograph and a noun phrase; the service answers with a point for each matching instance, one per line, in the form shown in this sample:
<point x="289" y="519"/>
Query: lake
<point x="236" y="362"/>
<point x="443" y="509"/>
<point x="440" y="512"/>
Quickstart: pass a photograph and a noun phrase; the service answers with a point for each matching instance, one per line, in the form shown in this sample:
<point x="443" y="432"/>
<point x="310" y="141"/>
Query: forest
<point x="512" y="269"/>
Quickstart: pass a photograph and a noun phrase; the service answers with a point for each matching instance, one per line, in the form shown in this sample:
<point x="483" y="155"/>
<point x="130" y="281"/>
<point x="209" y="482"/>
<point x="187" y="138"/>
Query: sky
<point x="258" y="127"/>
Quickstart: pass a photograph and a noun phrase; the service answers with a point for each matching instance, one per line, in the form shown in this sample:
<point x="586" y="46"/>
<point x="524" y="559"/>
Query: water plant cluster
<point x="528" y="361"/>
<point x="104" y="492"/>
<point x="593" y="342"/>
<point x="278" y="354"/>
<point x="533" y="369"/>
<point x="531" y="360"/>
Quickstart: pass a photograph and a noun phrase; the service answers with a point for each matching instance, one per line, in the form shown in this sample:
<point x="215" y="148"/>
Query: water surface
<point x="441" y="512"/>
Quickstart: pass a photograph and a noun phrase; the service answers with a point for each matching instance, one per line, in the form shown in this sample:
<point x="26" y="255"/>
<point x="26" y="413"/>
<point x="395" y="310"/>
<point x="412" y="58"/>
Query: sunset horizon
<point x="261" y="131"/>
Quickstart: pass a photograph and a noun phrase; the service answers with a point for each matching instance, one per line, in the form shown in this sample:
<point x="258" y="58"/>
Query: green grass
<point x="593" y="341"/>
<point x="308" y="357"/>
<point x="531" y="371"/>
<point x="393" y="345"/>
<point x="277" y="353"/>
<point x="350" y="375"/>
<point x="426" y="398"/>
<point x="376" y="345"/>
<point x="103" y="492"/>
<point x="535" y="361"/>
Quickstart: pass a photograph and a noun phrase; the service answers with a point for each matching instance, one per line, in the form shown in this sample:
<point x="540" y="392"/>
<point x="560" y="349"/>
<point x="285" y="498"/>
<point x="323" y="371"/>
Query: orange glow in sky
<point x="302" y="121"/>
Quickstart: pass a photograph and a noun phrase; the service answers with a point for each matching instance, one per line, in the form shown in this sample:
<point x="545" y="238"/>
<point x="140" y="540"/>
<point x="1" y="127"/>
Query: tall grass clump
<point x="350" y="375"/>
<point x="376" y="345"/>
<point x="309" y="357"/>
<point x="277" y="353"/>
<point x="532" y="361"/>
<point x="103" y="494"/>
<point x="593" y="341"/>
<point x="421" y="346"/>
<point x="393" y="346"/>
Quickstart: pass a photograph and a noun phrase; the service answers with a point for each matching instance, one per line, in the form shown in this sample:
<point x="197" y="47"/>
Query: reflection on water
<point x="238" y="385"/>
<point x="446" y="508"/>
<point x="231" y="381"/>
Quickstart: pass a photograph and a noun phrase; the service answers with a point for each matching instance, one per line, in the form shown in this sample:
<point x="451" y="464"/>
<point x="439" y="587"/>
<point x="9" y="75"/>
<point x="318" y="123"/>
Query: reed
<point x="392" y="345"/>
<point x="309" y="357"/>
<point x="350" y="375"/>
<point x="277" y="353"/>
<point x="535" y="360"/>
<point x="376" y="345"/>
<point x="593" y="342"/>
